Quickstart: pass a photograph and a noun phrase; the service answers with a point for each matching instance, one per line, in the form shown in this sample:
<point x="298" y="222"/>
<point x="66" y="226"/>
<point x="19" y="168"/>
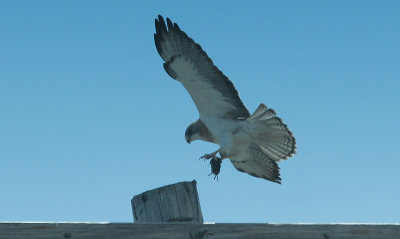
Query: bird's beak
<point x="188" y="140"/>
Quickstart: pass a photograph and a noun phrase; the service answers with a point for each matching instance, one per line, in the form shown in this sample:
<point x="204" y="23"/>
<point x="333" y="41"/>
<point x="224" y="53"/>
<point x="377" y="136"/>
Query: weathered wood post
<point x="172" y="203"/>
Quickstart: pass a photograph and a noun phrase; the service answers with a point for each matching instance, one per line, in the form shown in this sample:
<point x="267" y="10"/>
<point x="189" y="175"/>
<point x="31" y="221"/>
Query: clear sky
<point x="89" y="118"/>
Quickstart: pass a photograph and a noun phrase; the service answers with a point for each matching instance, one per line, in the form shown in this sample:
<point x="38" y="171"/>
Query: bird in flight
<point x="254" y="143"/>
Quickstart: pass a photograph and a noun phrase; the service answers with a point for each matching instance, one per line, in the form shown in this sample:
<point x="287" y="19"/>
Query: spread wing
<point x="255" y="162"/>
<point x="185" y="61"/>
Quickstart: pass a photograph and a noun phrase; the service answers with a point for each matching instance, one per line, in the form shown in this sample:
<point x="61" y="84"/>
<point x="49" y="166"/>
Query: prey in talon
<point x="215" y="167"/>
<point x="215" y="163"/>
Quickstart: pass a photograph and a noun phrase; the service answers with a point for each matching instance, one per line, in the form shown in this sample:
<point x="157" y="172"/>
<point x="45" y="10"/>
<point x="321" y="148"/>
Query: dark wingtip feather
<point x="277" y="179"/>
<point x="169" y="24"/>
<point x="177" y="27"/>
<point x="158" y="45"/>
<point x="156" y="23"/>
<point x="160" y="26"/>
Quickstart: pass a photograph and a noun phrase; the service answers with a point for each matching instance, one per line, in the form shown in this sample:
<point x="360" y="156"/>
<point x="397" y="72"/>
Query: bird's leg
<point x="209" y="156"/>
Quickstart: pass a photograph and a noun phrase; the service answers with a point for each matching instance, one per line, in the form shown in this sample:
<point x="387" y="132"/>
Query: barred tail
<point x="271" y="134"/>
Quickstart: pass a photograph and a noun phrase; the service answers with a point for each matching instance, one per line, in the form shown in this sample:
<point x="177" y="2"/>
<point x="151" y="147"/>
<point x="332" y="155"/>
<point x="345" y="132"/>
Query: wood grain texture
<point x="172" y="203"/>
<point x="196" y="231"/>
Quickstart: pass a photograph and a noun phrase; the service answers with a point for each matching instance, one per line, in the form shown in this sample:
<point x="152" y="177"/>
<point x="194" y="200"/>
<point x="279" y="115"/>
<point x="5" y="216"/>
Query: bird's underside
<point x="253" y="143"/>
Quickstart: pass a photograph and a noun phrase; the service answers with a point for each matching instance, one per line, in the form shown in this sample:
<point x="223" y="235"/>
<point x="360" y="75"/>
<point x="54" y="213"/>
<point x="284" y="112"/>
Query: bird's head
<point x="192" y="132"/>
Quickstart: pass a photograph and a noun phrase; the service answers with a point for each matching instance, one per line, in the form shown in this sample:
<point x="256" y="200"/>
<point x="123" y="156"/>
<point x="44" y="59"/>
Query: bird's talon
<point x="207" y="156"/>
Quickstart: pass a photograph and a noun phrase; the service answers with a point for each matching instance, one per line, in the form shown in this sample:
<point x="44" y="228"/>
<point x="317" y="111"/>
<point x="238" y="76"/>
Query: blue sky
<point x="89" y="118"/>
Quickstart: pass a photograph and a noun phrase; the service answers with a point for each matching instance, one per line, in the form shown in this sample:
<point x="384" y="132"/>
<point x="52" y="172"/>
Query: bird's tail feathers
<point x="271" y="134"/>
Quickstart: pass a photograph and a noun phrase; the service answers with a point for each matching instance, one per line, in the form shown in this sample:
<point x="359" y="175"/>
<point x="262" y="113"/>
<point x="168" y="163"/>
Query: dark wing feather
<point x="256" y="163"/>
<point x="212" y="92"/>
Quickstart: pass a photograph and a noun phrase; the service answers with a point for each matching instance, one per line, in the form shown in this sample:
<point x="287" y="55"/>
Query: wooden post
<point x="172" y="203"/>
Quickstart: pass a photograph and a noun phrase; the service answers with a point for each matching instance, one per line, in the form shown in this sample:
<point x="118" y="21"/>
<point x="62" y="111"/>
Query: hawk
<point x="253" y="142"/>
